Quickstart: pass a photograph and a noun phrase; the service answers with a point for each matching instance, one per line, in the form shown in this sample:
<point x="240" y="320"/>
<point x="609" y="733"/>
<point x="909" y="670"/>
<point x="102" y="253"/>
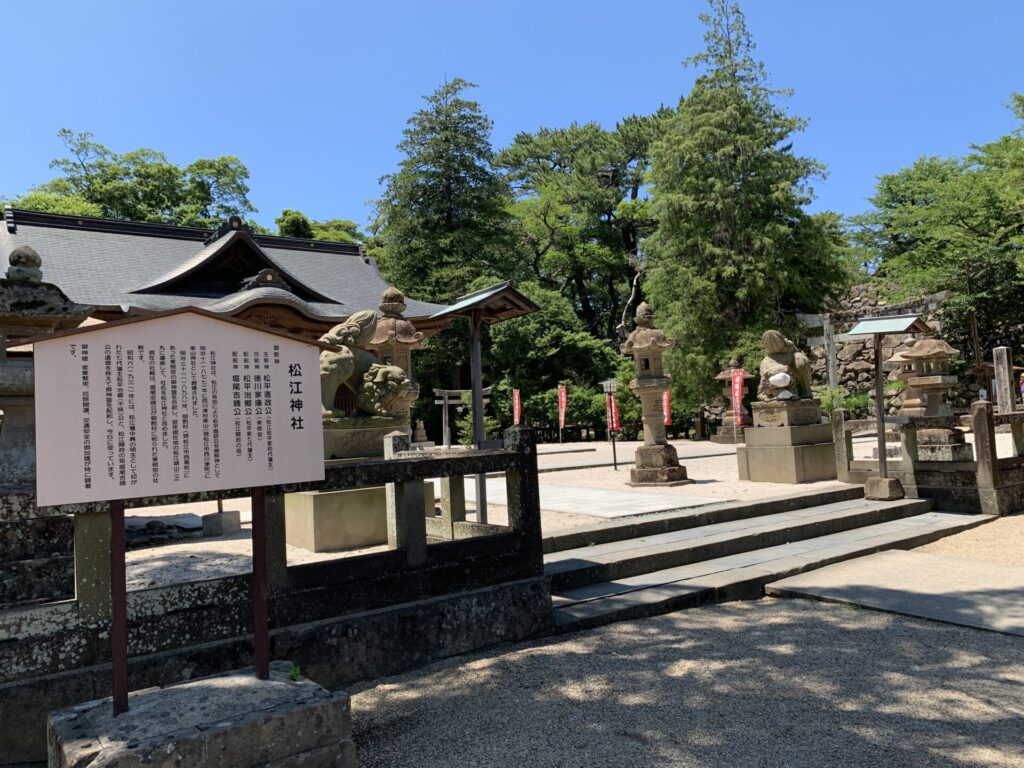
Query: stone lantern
<point x="925" y="368"/>
<point x="656" y="461"/>
<point x="393" y="342"/>
<point x="28" y="307"/>
<point x="732" y="427"/>
<point x="928" y="379"/>
<point x="395" y="337"/>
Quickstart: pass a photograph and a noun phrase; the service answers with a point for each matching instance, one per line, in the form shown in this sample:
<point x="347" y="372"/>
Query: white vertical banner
<point x="176" y="403"/>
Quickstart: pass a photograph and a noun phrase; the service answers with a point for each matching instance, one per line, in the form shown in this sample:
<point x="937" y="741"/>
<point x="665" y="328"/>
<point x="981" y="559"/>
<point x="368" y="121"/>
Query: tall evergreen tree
<point x="444" y="218"/>
<point x="734" y="251"/>
<point x="582" y="212"/>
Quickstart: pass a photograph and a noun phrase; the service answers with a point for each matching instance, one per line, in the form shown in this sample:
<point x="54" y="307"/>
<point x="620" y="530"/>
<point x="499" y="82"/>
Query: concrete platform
<point x="954" y="591"/>
<point x="231" y="720"/>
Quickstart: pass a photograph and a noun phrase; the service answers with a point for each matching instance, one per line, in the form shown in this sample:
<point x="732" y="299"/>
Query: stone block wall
<point x="36" y="552"/>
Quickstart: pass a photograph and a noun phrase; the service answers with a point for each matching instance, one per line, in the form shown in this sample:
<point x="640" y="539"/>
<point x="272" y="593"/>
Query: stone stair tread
<point x="660" y="544"/>
<point x="663" y="522"/>
<point x="672" y="588"/>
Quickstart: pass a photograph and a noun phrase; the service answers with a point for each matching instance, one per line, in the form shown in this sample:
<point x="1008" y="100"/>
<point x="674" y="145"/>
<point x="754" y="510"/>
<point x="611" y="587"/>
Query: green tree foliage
<point x="552" y="346"/>
<point x="955" y="224"/>
<point x="50" y="202"/>
<point x="581" y="211"/>
<point x="293" y="223"/>
<point x="143" y="185"/>
<point x="443" y="220"/>
<point x="734" y="251"/>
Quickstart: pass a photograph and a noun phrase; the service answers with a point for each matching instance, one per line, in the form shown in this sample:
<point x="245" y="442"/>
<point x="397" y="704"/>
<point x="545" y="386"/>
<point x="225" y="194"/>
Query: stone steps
<point x="744" y="562"/>
<point x="677" y="520"/>
<point x="630" y="557"/>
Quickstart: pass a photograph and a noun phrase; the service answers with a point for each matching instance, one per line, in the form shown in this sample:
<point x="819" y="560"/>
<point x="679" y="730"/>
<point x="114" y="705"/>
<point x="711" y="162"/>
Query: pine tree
<point x="734" y="251"/>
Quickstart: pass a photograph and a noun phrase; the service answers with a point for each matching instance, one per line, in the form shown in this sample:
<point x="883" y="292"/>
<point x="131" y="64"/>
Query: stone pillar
<point x="523" y="491"/>
<point x="453" y="503"/>
<point x="407" y="525"/>
<point x="277" y="548"/>
<point x="1006" y="396"/>
<point x="92" y="565"/>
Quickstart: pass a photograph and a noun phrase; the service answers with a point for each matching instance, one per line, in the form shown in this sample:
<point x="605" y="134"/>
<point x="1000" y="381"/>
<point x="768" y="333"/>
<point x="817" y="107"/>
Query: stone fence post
<point x="407" y="525"/>
<point x="523" y="492"/>
<point x="843" y="441"/>
<point x="985" y="444"/>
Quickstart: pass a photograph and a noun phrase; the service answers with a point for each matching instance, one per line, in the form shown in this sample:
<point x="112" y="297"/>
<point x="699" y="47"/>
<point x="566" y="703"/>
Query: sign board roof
<point x="497" y="303"/>
<point x="869" y="326"/>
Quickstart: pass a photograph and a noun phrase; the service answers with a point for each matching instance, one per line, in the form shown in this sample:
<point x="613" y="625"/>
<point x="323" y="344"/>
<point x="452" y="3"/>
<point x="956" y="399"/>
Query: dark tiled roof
<point x="102" y="262"/>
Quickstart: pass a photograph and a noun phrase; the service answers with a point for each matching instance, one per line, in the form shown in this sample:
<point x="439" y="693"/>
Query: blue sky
<point x="313" y="96"/>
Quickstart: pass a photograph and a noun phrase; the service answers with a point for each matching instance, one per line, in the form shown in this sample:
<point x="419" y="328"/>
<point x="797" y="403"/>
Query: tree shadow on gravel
<point x="773" y="683"/>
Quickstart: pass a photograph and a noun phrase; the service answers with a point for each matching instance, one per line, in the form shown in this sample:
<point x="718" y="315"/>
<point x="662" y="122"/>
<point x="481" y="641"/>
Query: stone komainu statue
<point x="375" y="385"/>
<point x="785" y="371"/>
<point x="384" y="387"/>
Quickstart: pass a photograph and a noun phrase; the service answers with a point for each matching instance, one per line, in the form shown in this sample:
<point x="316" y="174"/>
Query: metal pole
<point x="260" y="630"/>
<point x="615" y="459"/>
<point x="880" y="406"/>
<point x="118" y="609"/>
<point x="477" y="379"/>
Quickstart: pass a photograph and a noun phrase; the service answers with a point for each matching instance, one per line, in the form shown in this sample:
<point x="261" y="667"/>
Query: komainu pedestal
<point x="787" y="444"/>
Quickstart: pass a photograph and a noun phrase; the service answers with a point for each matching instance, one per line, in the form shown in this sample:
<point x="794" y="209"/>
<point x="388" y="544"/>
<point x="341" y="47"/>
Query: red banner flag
<point x="615" y="414"/>
<point x="737" y="394"/>
<point x="517" y="407"/>
<point x="666" y="406"/>
<point x="562" y="401"/>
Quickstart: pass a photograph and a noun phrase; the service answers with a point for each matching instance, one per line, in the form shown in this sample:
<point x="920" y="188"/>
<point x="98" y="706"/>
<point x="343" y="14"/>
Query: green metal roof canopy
<point x="869" y="326"/>
<point x="490" y="305"/>
<point x="879" y="327"/>
<point x="497" y="303"/>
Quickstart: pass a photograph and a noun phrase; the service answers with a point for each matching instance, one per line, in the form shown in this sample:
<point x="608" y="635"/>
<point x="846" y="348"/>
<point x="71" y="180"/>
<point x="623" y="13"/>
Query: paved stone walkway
<point x="597" y="502"/>
<point x="947" y="589"/>
<point x="766" y="684"/>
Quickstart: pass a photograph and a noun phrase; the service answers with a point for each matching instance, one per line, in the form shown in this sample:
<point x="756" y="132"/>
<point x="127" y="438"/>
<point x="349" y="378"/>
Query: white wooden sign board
<point x="174" y="404"/>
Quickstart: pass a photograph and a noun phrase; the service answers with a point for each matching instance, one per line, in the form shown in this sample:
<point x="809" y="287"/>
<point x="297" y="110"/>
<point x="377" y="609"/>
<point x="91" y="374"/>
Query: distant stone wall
<point x="855" y="358"/>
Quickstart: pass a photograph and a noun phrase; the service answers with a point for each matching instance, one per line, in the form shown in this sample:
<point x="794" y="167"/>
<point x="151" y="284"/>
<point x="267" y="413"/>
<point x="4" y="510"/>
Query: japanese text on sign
<point x="173" y="404"/>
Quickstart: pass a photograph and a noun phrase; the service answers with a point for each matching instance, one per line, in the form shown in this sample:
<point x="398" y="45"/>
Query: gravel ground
<point x="772" y="684"/>
<point x="1001" y="541"/>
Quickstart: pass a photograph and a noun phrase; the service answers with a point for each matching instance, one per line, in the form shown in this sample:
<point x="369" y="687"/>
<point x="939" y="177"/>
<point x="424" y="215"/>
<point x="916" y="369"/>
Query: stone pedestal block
<point x="943" y="445"/>
<point x="222" y="523"/>
<point x="657" y="465"/>
<point x="354" y="438"/>
<point x="883" y="489"/>
<point x="797" y="454"/>
<point x="328" y="521"/>
<point x="786" y="413"/>
<point x="230" y="720"/>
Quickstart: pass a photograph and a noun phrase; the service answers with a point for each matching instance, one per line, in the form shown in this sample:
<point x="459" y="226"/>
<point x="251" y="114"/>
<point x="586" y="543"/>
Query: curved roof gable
<point x="221" y="267"/>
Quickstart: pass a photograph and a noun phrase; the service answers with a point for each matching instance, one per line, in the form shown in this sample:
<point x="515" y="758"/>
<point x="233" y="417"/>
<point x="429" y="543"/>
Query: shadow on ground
<point x="772" y="683"/>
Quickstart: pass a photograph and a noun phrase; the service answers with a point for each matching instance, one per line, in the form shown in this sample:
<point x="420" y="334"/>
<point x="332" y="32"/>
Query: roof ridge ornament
<point x="266" y="278"/>
<point x="234" y="223"/>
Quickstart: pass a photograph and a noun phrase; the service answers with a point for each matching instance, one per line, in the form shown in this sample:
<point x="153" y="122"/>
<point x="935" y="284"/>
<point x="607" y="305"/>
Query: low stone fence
<point x="343" y="620"/>
<point x="986" y="484"/>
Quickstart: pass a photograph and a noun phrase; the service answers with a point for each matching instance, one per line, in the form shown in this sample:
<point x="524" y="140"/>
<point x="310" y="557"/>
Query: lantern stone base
<point x="657" y="465"/>
<point x="729" y="434"/>
<point x="330" y="521"/>
<point x="231" y="720"/>
<point x="943" y="445"/>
